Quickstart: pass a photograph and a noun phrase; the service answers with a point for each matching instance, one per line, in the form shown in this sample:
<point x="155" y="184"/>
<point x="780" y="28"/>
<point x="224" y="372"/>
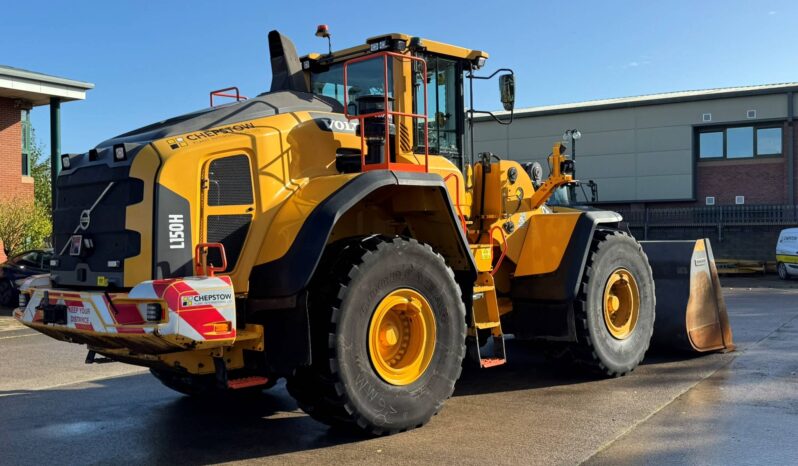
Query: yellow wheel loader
<point x="338" y="232"/>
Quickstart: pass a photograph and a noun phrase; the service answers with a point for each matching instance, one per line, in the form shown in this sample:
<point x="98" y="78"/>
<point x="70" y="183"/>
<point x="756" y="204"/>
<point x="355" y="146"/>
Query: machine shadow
<point x="133" y="411"/>
<point x="138" y="418"/>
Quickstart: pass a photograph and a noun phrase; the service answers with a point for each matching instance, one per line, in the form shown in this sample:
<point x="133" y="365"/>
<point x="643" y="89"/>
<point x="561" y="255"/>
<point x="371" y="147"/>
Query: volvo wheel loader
<point x="336" y="231"/>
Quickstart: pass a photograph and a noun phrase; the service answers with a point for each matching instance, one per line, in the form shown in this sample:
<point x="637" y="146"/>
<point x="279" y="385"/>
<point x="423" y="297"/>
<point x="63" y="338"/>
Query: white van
<point x="787" y="253"/>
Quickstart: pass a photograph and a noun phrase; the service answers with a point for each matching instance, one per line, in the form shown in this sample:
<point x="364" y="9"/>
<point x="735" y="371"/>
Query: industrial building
<point x="717" y="146"/>
<point x="678" y="164"/>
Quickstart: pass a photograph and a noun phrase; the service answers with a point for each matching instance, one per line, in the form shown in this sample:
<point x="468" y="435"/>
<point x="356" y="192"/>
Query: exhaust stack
<point x="286" y="69"/>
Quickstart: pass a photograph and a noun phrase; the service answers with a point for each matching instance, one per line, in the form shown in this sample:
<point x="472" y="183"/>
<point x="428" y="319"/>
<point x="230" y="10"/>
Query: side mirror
<point x="507" y="89"/>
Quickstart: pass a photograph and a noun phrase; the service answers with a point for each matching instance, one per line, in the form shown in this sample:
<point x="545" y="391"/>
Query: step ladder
<point x="486" y="316"/>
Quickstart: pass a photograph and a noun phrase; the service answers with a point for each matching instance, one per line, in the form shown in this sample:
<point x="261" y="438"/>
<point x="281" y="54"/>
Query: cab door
<point x="227" y="206"/>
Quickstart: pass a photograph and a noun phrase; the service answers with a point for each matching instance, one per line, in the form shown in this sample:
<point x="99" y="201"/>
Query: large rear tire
<point x="615" y="307"/>
<point x="388" y="336"/>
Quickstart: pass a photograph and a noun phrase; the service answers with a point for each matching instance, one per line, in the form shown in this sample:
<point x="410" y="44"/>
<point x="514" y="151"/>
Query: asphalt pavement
<point x="734" y="408"/>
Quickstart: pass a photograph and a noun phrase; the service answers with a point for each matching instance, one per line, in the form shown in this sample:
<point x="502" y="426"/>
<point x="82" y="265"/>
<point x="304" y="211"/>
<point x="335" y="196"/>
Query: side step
<point x="486" y="316"/>
<point x="246" y="382"/>
<point x="223" y="381"/>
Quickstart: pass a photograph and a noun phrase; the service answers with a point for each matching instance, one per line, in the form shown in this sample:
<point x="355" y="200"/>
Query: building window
<point x="27" y="143"/>
<point x="739" y="142"/>
<point x="711" y="144"/>
<point x="768" y="141"/>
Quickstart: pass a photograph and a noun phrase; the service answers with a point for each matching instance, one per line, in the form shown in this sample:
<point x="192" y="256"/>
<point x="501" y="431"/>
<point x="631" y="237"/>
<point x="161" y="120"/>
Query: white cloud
<point x="772" y="12"/>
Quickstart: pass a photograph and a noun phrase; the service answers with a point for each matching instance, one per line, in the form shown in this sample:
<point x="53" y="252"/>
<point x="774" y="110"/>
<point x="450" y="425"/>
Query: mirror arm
<point x="493" y="74"/>
<point x="471" y="75"/>
<point x="501" y="122"/>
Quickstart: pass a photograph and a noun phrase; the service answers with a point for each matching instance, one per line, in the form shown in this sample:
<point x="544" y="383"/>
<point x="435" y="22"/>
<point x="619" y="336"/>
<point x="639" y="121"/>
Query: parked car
<point x="787" y="253"/>
<point x="19" y="267"/>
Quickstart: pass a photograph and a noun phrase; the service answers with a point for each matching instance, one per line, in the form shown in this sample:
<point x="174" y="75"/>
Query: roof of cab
<point x="430" y="45"/>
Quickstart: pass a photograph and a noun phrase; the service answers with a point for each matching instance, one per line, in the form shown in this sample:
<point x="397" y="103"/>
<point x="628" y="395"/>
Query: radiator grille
<point x="230" y="182"/>
<point x="231" y="231"/>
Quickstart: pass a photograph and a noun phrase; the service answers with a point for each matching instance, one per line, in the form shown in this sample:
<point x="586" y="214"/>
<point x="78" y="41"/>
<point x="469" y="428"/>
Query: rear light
<point x="114" y="264"/>
<point x="23" y="300"/>
<point x="154" y="312"/>
<point x="222" y="327"/>
<point x="54" y="262"/>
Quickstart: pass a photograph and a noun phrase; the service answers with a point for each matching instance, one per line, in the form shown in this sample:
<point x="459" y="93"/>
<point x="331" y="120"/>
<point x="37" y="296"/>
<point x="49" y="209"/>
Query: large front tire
<point x="388" y="336"/>
<point x="615" y="307"/>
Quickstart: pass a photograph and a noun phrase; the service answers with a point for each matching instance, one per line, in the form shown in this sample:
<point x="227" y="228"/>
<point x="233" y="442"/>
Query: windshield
<point x="560" y="197"/>
<point x="364" y="78"/>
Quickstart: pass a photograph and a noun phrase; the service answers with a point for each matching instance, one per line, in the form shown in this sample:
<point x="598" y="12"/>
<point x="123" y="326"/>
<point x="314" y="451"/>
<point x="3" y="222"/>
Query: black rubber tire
<point x="596" y="348"/>
<point x="9" y="296"/>
<point x="341" y="388"/>
<point x="201" y="385"/>
<point x="782" y="270"/>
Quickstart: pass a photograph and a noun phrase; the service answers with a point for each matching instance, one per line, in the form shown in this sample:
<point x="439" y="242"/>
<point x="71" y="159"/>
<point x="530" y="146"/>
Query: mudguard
<point x="290" y="274"/>
<point x="277" y="297"/>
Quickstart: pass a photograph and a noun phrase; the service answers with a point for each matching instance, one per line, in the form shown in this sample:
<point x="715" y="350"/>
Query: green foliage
<point x="23" y="225"/>
<point x="26" y="224"/>
<point x="40" y="171"/>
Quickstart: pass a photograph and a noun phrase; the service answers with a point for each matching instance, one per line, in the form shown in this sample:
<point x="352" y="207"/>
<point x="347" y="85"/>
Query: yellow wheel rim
<point x="621" y="304"/>
<point x="402" y="337"/>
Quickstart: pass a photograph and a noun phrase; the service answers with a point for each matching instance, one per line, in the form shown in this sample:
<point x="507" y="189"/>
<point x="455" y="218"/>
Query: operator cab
<point x="357" y="78"/>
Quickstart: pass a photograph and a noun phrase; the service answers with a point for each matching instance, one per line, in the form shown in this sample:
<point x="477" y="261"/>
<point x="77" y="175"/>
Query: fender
<point x="543" y="303"/>
<point x="563" y="283"/>
<point x="291" y="273"/>
<point x="277" y="297"/>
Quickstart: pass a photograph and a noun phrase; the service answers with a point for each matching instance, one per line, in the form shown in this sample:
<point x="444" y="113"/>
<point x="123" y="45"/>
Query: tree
<point x="23" y="225"/>
<point x="26" y="224"/>
<point x="40" y="171"/>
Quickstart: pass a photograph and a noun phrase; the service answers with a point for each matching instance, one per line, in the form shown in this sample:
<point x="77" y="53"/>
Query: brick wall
<point x="760" y="181"/>
<point x="12" y="184"/>
<point x="11" y="180"/>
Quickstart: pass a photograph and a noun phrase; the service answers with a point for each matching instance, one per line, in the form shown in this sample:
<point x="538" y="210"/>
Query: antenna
<point x="323" y="31"/>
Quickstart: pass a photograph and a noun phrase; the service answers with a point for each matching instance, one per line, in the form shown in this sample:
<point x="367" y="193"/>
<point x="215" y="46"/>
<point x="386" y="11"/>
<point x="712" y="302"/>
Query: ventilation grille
<point x="229" y="181"/>
<point x="404" y="139"/>
<point x="739" y="200"/>
<point x="750" y="114"/>
<point x="706" y="117"/>
<point x="231" y="231"/>
<point x="710" y="200"/>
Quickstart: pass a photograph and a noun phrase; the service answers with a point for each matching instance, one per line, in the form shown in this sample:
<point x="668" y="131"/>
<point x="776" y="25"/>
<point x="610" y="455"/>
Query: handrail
<point x="503" y="249"/>
<point x="387" y="164"/>
<point x="457" y="199"/>
<point x="201" y="267"/>
<point x="222" y="93"/>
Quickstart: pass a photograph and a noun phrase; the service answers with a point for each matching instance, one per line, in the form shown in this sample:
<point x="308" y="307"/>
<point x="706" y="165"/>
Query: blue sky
<point x="152" y="60"/>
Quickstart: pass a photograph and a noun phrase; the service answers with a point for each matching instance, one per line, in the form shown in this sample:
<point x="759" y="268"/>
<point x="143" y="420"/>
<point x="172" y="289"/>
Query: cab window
<point x="444" y="85"/>
<point x="364" y="78"/>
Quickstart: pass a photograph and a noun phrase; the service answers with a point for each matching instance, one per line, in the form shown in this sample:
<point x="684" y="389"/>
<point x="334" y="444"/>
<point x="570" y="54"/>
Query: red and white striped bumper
<point x="195" y="313"/>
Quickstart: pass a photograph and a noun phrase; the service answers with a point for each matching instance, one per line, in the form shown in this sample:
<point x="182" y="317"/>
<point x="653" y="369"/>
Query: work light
<point x="119" y="153"/>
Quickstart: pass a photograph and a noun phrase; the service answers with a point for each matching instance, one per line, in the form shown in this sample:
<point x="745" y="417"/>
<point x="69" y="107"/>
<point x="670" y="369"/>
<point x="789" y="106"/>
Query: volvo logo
<point x="85" y="219"/>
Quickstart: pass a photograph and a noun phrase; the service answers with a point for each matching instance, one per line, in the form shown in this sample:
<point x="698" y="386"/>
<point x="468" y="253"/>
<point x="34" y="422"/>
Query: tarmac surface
<point x="734" y="408"/>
